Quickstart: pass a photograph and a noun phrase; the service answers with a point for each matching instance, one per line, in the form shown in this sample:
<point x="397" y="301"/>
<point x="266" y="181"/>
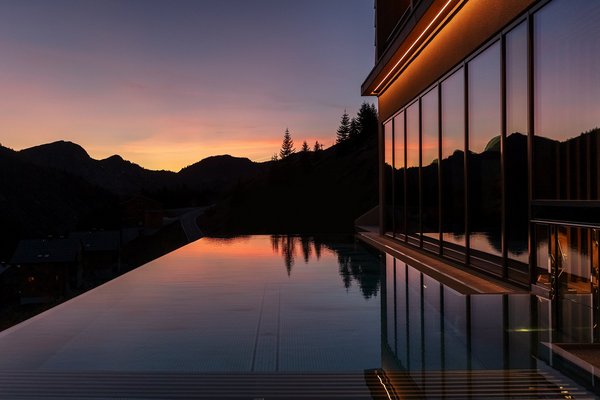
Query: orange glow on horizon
<point x="245" y="247"/>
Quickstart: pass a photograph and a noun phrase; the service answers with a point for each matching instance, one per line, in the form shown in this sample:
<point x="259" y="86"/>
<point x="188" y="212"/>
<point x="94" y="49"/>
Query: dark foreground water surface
<point x="265" y="317"/>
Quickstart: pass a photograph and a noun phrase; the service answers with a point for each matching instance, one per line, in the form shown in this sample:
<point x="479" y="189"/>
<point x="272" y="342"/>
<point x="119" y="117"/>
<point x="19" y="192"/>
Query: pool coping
<point x="460" y="280"/>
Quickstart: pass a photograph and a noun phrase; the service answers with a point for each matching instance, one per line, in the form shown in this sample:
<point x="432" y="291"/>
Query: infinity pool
<point x="279" y="317"/>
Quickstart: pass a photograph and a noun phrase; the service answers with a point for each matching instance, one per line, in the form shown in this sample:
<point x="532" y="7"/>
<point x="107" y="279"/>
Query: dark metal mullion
<point x="407" y="315"/>
<point x="395" y="313"/>
<point x="382" y="206"/>
<point x="393" y="185"/>
<point x="466" y="165"/>
<point x="468" y="334"/>
<point x="505" y="334"/>
<point x="405" y="183"/>
<point x="503" y="160"/>
<point x="420" y="206"/>
<point x="530" y="150"/>
<point x="442" y="329"/>
<point x="422" y="294"/>
<point x="440" y="210"/>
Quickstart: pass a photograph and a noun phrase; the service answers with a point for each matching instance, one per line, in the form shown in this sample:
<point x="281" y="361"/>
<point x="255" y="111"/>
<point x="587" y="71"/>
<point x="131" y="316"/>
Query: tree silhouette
<point x="287" y="147"/>
<point x="344" y="128"/>
<point x="318" y="146"/>
<point x="305" y="147"/>
<point x="367" y="119"/>
<point x="306" y="250"/>
<point x="289" y="252"/>
<point x="275" y="244"/>
<point x="354" y="128"/>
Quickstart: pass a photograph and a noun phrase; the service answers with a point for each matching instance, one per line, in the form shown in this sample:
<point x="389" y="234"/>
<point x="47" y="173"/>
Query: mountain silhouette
<point x="36" y="201"/>
<point x="114" y="174"/>
<point x="209" y="177"/>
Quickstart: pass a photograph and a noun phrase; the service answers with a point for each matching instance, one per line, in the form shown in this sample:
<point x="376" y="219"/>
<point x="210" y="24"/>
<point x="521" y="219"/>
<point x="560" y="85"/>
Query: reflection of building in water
<point x="437" y="341"/>
<point x="490" y="146"/>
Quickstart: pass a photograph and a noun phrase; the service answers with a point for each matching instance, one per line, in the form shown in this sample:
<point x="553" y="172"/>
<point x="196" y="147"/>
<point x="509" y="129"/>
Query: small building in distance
<point x="141" y="211"/>
<point x="100" y="253"/>
<point x="8" y="291"/>
<point x="46" y="269"/>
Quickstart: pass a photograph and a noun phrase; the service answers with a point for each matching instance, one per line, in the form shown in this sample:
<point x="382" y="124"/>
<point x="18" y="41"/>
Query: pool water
<point x="278" y="317"/>
<point x="247" y="304"/>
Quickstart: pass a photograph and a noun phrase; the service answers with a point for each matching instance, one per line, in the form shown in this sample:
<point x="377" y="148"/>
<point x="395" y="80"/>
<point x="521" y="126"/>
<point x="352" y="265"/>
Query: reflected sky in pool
<point x="257" y="303"/>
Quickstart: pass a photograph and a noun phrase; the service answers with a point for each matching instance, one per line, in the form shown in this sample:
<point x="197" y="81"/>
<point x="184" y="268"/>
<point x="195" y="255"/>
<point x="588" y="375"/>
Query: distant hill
<point x="198" y="184"/>
<point x="36" y="201"/>
<point x="113" y="174"/>
<point x="308" y="192"/>
<point x="224" y="168"/>
<point x="56" y="187"/>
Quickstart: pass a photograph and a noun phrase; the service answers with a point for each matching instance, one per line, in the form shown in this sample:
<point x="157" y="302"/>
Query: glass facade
<point x="485" y="131"/>
<point x="453" y="164"/>
<point x="430" y="212"/>
<point x="515" y="153"/>
<point x="491" y="157"/>
<point x="399" y="168"/>
<point x="567" y="101"/>
<point x="413" y="217"/>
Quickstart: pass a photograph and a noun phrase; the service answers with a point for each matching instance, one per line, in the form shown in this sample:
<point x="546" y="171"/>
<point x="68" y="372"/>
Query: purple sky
<point x="167" y="83"/>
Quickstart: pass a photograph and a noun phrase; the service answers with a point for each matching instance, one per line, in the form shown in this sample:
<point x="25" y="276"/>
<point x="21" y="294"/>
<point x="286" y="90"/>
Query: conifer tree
<point x="367" y="119"/>
<point x="287" y="147"/>
<point x="344" y="129"/>
<point x="354" y="128"/>
<point x="305" y="147"/>
<point x="318" y="146"/>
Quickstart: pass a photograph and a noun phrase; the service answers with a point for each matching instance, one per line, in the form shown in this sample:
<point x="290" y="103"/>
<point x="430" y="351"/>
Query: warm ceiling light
<point x="393" y="70"/>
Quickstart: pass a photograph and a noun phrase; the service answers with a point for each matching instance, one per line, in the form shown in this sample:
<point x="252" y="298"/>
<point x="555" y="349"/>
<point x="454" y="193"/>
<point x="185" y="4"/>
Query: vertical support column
<point x="530" y="154"/>
<point x="466" y="167"/>
<point x="440" y="209"/>
<point x="381" y="151"/>
<point x="503" y="159"/>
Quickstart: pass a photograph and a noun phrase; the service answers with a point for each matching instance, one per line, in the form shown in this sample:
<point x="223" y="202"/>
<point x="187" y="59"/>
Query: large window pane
<point x="567" y="100"/>
<point x="388" y="176"/>
<point x="516" y="152"/>
<point x="399" y="212"/>
<point x="485" y="129"/>
<point x="430" y="216"/>
<point x="412" y="170"/>
<point x="452" y="171"/>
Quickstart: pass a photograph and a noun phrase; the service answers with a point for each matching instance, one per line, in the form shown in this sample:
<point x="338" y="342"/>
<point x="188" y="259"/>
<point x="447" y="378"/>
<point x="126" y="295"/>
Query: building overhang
<point x="419" y="30"/>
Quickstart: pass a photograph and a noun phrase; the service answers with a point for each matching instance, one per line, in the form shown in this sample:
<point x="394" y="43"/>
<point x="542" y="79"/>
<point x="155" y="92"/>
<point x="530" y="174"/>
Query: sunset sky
<point x="167" y="83"/>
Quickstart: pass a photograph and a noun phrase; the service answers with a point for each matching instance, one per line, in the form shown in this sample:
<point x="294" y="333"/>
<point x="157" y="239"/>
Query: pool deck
<point x="462" y="280"/>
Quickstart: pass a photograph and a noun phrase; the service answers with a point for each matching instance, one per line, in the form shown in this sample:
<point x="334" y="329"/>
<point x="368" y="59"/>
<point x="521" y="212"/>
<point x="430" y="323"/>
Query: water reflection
<point x="433" y="334"/>
<point x="355" y="265"/>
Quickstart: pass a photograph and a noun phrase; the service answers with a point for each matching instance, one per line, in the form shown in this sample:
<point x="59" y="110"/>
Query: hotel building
<point x="489" y="144"/>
